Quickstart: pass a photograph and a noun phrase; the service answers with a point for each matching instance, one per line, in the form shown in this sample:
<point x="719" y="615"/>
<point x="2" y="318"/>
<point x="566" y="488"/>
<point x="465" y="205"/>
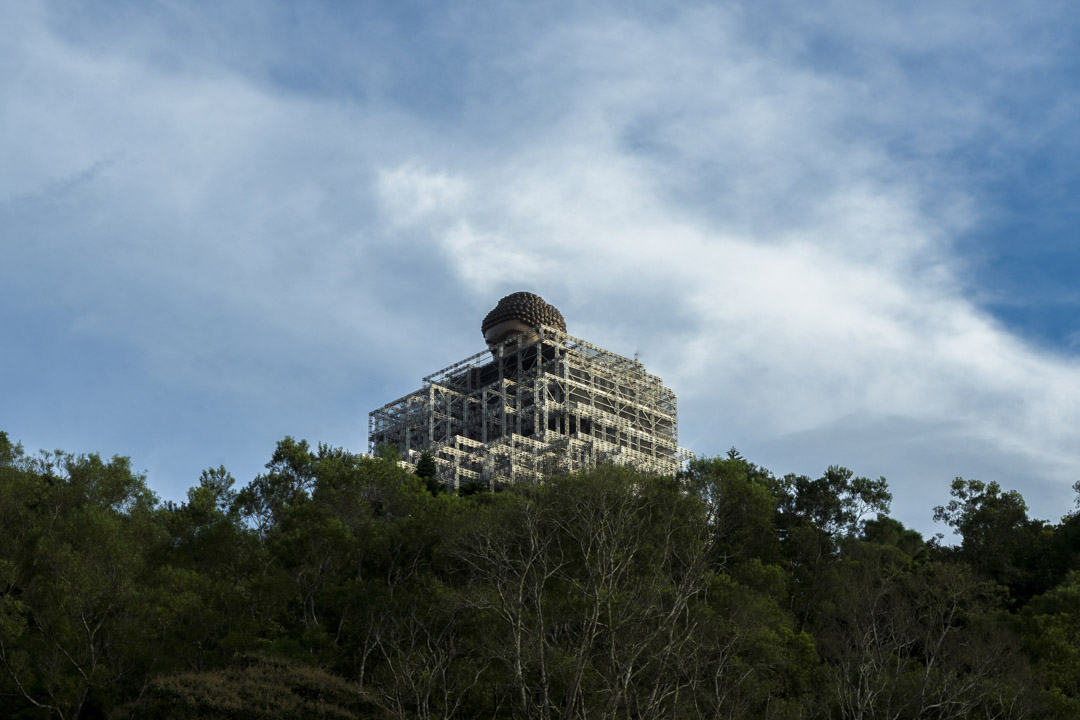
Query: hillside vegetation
<point x="340" y="586"/>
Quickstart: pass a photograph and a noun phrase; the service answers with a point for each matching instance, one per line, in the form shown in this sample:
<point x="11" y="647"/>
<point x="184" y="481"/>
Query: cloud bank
<point x="212" y="244"/>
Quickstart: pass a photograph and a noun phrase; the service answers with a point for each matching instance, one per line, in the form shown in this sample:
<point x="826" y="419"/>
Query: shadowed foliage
<point x="336" y="585"/>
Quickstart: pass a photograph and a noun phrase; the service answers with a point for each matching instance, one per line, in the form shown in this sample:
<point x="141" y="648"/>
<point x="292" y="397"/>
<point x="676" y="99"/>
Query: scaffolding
<point x="531" y="406"/>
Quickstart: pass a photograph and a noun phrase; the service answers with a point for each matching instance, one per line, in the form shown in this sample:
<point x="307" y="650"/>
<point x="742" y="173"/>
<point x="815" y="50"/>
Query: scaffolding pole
<point x="520" y="410"/>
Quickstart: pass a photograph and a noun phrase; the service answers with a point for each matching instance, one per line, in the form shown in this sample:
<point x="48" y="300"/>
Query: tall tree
<point x="80" y="606"/>
<point x="998" y="539"/>
<point x="741" y="502"/>
<point x="1052" y="625"/>
<point x="815" y="518"/>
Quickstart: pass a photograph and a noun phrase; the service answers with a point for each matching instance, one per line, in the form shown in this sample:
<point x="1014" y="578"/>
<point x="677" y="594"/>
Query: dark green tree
<point x="427" y="470"/>
<point x="600" y="598"/>
<point x="1052" y="633"/>
<point x="741" y="501"/>
<point x="816" y="517"/>
<point x="83" y="611"/>
<point x="255" y="688"/>
<point x="998" y="539"/>
<point x="425" y="466"/>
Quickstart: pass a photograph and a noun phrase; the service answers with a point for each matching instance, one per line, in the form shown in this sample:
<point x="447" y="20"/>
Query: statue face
<point x="500" y="332"/>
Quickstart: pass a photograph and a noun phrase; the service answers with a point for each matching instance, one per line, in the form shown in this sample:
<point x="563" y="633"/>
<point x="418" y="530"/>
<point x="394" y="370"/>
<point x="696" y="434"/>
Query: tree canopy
<point x="338" y="585"/>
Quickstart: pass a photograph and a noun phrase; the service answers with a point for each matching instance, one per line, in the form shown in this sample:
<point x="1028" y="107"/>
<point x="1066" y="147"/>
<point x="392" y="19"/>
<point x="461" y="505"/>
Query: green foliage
<point x="1052" y="624"/>
<point x="906" y="639"/>
<point x="336" y="585"/>
<point x="815" y="520"/>
<point x="80" y="604"/>
<point x="999" y="540"/>
<point x="741" y="502"/>
<point x="599" y="597"/>
<point x="836" y="504"/>
<point x="472" y="487"/>
<point x="426" y="467"/>
<point x="892" y="533"/>
<point x="256" y="688"/>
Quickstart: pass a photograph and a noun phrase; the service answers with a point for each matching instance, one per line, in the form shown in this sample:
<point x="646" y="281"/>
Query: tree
<point x="998" y="540"/>
<point x="427" y="470"/>
<point x="426" y="467"/>
<point x="288" y="483"/>
<point x="208" y="563"/>
<point x="259" y="687"/>
<point x="599" y="599"/>
<point x="741" y="502"/>
<point x="836" y="504"/>
<point x="889" y="532"/>
<point x="81" y="607"/>
<point x="1052" y="635"/>
<point x="816" y="517"/>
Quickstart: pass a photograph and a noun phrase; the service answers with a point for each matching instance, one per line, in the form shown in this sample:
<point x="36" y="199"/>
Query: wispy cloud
<point x="800" y="225"/>
<point x="765" y="203"/>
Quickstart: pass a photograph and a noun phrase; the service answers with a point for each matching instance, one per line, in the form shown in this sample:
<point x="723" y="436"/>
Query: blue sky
<point x="842" y="232"/>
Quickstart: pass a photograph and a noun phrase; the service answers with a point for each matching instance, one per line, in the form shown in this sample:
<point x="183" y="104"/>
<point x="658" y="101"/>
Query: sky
<point x="842" y="232"/>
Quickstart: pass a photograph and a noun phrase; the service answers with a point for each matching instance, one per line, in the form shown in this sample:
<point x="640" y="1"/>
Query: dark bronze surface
<point x="526" y="307"/>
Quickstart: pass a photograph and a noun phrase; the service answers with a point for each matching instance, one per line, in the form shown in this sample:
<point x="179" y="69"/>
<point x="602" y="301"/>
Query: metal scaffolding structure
<point x="535" y="404"/>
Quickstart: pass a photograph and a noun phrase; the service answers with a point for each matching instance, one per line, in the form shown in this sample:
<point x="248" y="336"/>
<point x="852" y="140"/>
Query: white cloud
<point x="410" y="193"/>
<point x="772" y="227"/>
<point x="829" y="292"/>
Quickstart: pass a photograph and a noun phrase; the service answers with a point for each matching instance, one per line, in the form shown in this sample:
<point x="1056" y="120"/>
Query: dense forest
<point x="337" y="585"/>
